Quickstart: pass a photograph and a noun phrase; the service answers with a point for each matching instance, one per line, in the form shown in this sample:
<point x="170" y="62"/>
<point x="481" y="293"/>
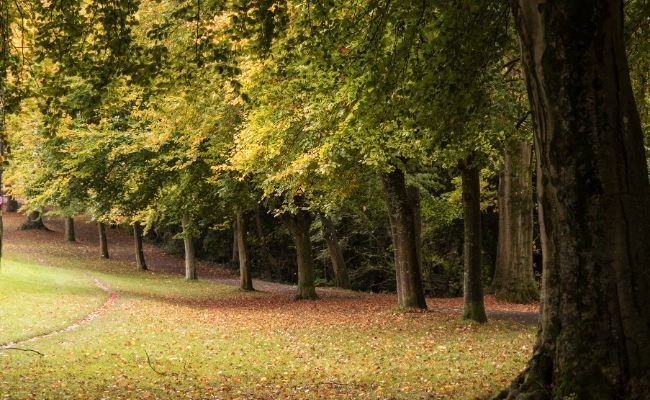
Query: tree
<point x="594" y="196"/>
<point x="246" y="281"/>
<point x="473" y="307"/>
<point x="190" y="254"/>
<point x="404" y="214"/>
<point x="330" y="234"/>
<point x="298" y="222"/>
<point x="69" y="229"/>
<point x="513" y="274"/>
<point x="137" y="243"/>
<point x="103" y="241"/>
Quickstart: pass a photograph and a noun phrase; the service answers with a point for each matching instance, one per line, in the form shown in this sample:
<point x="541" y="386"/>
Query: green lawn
<point x="36" y="299"/>
<point x="167" y="338"/>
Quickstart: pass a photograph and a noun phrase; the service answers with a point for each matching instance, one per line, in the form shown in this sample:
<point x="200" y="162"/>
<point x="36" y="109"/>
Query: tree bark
<point x="5" y="42"/>
<point x="34" y="221"/>
<point x="298" y="225"/>
<point x="103" y="242"/>
<point x="594" y="338"/>
<point x="12" y="204"/>
<point x="190" y="253"/>
<point x="139" y="249"/>
<point x="235" y="243"/>
<point x="270" y="263"/>
<point x="404" y="214"/>
<point x="246" y="281"/>
<point x="69" y="229"/>
<point x="473" y="306"/>
<point x="514" y="280"/>
<point x="341" y="276"/>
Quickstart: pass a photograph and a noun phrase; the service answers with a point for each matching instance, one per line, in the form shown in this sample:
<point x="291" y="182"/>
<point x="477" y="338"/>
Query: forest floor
<point x="95" y="328"/>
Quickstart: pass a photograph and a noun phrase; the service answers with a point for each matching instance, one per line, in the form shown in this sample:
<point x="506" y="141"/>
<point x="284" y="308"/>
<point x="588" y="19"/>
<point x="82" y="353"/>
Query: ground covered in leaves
<point x="154" y="335"/>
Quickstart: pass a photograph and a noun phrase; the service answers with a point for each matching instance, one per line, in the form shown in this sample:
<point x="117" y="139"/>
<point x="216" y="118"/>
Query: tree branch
<point x="26" y="350"/>
<point x="151" y="365"/>
<point x="523" y="119"/>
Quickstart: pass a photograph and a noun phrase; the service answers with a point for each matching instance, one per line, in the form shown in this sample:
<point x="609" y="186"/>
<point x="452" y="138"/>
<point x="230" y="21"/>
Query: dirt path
<point x="112" y="297"/>
<point x="121" y="251"/>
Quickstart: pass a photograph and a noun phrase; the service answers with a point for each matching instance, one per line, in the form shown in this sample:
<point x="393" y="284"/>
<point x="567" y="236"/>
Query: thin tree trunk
<point x="269" y="261"/>
<point x="190" y="254"/>
<point x="246" y="281"/>
<point x="298" y="225"/>
<point x="473" y="306"/>
<point x="103" y="242"/>
<point x="139" y="249"/>
<point x="5" y="42"/>
<point x="514" y="280"/>
<point x="341" y="276"/>
<point x="404" y="213"/>
<point x="594" y="197"/>
<point x="69" y="229"/>
<point x="235" y="243"/>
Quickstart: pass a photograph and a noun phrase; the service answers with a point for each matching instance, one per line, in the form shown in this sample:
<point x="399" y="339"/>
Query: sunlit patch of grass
<point x="36" y="299"/>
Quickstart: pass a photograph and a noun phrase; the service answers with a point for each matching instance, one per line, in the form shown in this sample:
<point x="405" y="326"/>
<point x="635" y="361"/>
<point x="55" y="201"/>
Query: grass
<point x="35" y="299"/>
<point x="167" y="338"/>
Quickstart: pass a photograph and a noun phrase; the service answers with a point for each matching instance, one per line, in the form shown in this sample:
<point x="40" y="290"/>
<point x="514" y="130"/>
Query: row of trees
<point x="195" y="112"/>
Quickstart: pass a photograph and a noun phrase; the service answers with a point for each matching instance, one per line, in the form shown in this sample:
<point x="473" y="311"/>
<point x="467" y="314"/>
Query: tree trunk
<point x="473" y="307"/>
<point x="34" y="221"/>
<point x="5" y="41"/>
<point x="594" y="338"/>
<point x="190" y="254"/>
<point x="404" y="214"/>
<point x="298" y="225"/>
<point x="341" y="276"/>
<point x="12" y="204"/>
<point x="246" y="281"/>
<point x="103" y="243"/>
<point x="235" y="243"/>
<point x="269" y="261"/>
<point x="69" y="229"/>
<point x="514" y="280"/>
<point x="139" y="249"/>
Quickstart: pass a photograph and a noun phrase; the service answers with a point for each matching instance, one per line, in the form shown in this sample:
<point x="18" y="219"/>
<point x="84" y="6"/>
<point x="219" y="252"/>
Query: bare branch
<point x="26" y="350"/>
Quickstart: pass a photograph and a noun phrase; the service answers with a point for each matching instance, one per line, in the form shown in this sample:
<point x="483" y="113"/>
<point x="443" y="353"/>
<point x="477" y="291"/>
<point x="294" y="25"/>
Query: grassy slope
<point x="166" y="338"/>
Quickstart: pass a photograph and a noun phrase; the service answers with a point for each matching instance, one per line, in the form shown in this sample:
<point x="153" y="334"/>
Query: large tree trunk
<point x="69" y="229"/>
<point x="34" y="221"/>
<point x="514" y="280"/>
<point x="139" y="249"/>
<point x="473" y="307"/>
<point x="246" y="281"/>
<point x="298" y="225"/>
<point x="103" y="242"/>
<point x="594" y="339"/>
<point x="404" y="214"/>
<point x="190" y="254"/>
<point x="12" y="204"/>
<point x="341" y="276"/>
